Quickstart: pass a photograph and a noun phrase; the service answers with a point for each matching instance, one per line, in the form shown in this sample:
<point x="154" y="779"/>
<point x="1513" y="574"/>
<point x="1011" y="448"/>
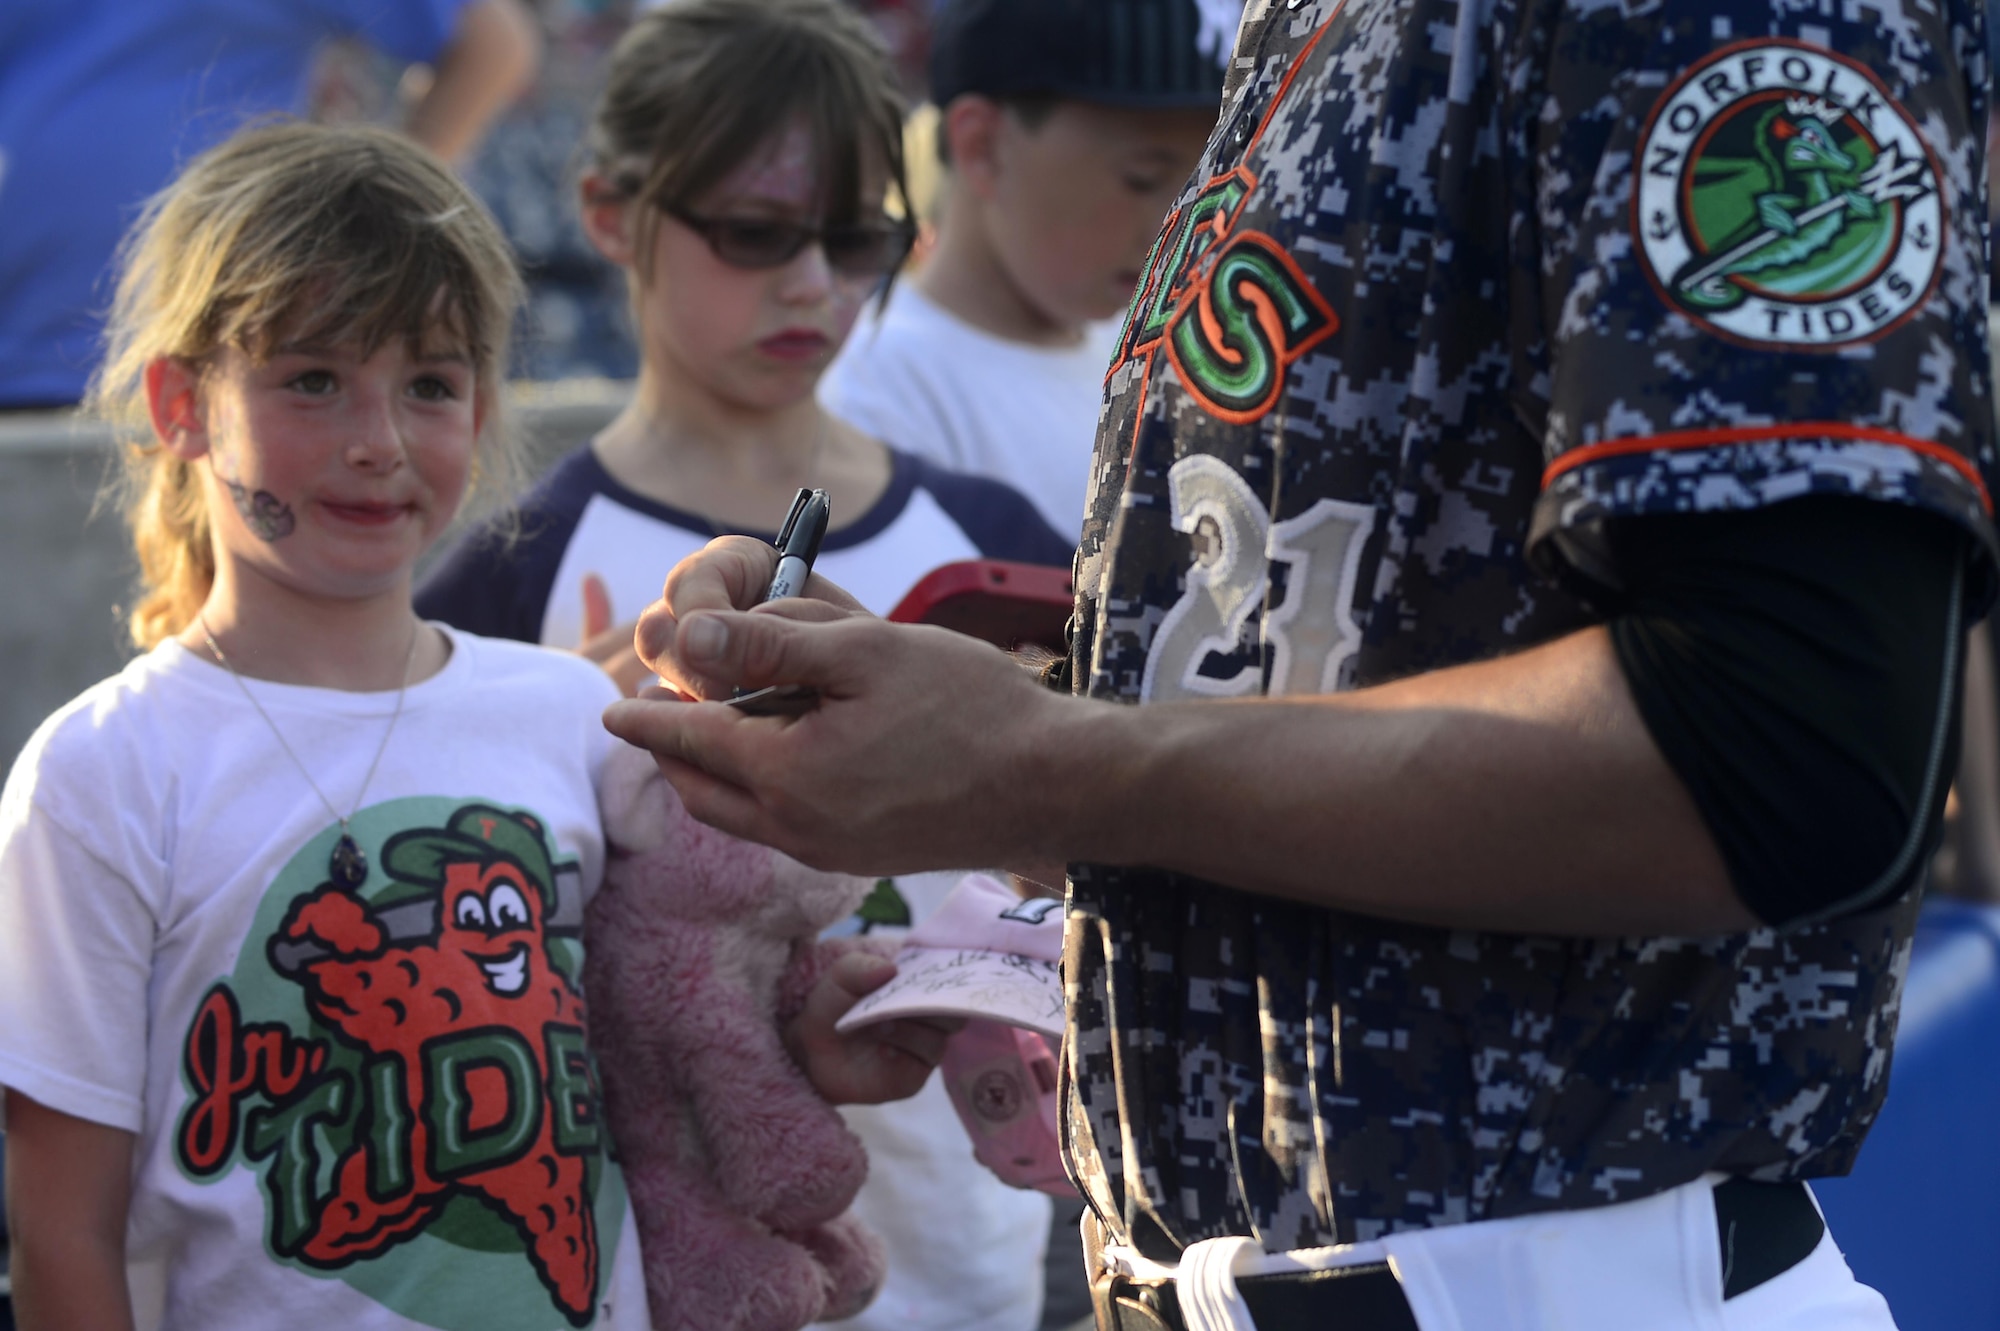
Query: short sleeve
<point x="76" y="958"/>
<point x="1757" y="253"/>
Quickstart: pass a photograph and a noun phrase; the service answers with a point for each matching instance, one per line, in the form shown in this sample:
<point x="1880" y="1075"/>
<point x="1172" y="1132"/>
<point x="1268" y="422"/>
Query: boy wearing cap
<point x="1067" y="126"/>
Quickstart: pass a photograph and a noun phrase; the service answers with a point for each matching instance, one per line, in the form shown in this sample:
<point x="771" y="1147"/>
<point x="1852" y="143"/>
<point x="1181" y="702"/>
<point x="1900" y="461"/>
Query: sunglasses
<point x="852" y="250"/>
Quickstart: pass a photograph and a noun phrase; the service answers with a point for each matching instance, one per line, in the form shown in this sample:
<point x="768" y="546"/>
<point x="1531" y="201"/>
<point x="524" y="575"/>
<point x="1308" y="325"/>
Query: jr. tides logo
<point x="1785" y="199"/>
<point x="411" y="1063"/>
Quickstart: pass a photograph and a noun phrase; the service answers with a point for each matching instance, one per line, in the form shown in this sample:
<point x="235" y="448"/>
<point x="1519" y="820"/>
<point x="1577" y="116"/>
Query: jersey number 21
<point x="1310" y="635"/>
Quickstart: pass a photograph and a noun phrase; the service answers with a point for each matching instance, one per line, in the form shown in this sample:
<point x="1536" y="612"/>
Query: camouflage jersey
<point x="1454" y="284"/>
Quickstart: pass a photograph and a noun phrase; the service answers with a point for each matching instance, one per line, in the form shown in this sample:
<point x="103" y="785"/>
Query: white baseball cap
<point x="985" y="954"/>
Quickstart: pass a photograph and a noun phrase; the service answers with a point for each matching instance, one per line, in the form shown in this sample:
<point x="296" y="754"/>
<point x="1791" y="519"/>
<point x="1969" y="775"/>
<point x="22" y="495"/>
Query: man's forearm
<point x="1519" y="794"/>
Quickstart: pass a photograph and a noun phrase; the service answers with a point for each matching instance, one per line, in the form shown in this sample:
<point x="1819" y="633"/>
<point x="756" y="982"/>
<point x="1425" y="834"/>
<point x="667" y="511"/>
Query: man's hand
<point x="884" y="1060"/>
<point x="1503" y="795"/>
<point x="928" y="749"/>
<point x="730" y="573"/>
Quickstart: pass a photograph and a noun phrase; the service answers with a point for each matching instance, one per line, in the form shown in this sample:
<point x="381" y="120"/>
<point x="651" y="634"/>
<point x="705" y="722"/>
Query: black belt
<point x="1762" y="1230"/>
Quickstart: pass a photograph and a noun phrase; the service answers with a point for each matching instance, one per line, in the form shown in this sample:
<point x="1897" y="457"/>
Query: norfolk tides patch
<point x="1786" y="200"/>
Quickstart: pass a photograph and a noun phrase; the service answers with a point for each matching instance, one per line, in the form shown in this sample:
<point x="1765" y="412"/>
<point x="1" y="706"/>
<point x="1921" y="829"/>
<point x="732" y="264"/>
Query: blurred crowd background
<point x="525" y="169"/>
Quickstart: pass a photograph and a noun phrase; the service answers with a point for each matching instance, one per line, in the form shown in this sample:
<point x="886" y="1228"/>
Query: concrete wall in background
<point x="66" y="570"/>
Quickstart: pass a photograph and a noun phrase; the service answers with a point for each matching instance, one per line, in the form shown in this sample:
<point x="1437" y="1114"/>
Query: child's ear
<point x="972" y="127"/>
<point x="173" y="399"/>
<point x="608" y="215"/>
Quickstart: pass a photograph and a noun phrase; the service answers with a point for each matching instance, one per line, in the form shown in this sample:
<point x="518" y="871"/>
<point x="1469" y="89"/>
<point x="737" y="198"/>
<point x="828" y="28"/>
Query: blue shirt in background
<point x="101" y="102"/>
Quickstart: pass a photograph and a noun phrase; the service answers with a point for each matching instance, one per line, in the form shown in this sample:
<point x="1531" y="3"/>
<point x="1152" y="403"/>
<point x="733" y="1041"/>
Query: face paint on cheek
<point x="268" y="517"/>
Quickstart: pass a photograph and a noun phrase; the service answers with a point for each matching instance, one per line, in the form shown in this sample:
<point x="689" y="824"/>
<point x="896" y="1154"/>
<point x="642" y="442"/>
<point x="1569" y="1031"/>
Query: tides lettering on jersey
<point x="1229" y="305"/>
<point x="1232" y="310"/>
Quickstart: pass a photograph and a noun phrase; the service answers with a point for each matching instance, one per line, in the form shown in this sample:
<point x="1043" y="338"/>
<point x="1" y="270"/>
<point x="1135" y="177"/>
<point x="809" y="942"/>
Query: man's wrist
<point x="1078" y="781"/>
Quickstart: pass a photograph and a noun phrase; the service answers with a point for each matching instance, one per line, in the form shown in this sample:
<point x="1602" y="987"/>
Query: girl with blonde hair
<point x="289" y="1009"/>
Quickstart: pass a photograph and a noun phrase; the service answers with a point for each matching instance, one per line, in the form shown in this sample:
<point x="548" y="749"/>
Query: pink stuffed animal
<point x="699" y="947"/>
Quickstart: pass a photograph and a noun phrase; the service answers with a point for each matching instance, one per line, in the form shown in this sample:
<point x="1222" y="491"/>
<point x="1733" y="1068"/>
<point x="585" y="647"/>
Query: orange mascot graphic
<point x="478" y="1078"/>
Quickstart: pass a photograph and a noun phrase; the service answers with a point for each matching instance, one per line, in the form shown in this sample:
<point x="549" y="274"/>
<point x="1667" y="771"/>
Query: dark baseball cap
<point x="1138" y="53"/>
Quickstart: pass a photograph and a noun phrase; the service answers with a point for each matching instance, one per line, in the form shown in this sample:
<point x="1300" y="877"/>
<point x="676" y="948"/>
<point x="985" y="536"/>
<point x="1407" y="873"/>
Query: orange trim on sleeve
<point x="1654" y="443"/>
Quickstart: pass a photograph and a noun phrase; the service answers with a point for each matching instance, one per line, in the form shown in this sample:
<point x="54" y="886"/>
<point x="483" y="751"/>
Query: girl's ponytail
<point x="169" y="520"/>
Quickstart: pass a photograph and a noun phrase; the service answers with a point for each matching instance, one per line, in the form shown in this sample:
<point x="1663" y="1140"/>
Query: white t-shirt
<point x="356" y="1110"/>
<point x="922" y="379"/>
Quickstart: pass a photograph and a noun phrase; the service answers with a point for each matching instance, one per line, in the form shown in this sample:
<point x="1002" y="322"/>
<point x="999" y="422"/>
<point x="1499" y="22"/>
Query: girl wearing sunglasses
<point x="745" y="171"/>
<point x="736" y="171"/>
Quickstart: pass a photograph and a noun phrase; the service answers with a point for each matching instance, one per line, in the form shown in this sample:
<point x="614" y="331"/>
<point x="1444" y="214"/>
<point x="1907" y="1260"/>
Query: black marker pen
<point x="798" y="545"/>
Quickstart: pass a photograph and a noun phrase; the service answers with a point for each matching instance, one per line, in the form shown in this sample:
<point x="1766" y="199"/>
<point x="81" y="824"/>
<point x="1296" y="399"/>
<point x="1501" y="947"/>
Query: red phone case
<point x="1001" y="602"/>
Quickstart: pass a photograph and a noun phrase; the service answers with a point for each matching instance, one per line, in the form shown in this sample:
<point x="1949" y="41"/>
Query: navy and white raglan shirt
<point x="1456" y="282"/>
<point x="579" y="520"/>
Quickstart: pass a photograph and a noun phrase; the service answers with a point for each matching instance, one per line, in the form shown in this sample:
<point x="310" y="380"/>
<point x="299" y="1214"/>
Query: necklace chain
<point x="409" y="658"/>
